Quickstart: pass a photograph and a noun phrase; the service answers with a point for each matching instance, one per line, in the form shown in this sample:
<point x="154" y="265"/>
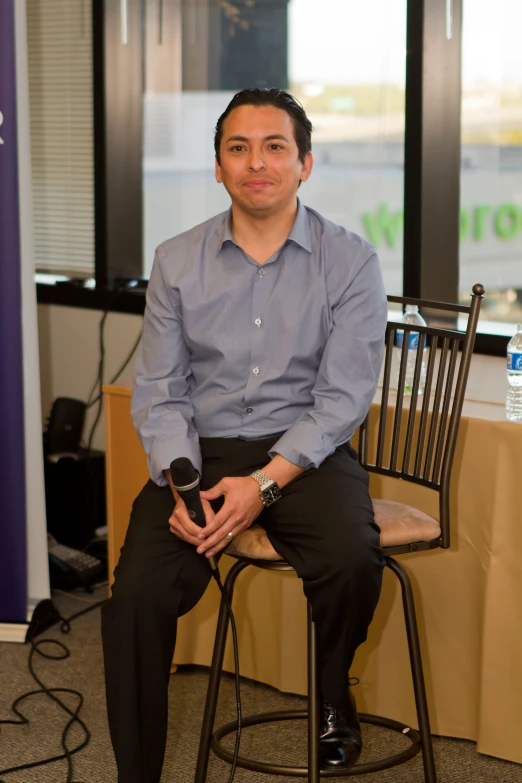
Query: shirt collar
<point x="300" y="233"/>
<point x="226" y="234"/>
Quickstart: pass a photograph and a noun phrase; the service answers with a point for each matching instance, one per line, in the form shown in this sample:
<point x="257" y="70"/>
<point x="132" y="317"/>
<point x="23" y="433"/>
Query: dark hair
<point x="257" y="96"/>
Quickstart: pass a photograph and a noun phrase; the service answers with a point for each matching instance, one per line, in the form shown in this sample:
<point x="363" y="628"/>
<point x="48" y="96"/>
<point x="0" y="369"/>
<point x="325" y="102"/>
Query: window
<point x="491" y="174"/>
<point x="350" y="77"/>
<point x="59" y="37"/>
<point x="396" y="110"/>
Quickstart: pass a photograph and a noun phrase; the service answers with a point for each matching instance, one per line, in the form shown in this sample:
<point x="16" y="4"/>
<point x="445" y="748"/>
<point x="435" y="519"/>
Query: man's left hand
<point x="242" y="506"/>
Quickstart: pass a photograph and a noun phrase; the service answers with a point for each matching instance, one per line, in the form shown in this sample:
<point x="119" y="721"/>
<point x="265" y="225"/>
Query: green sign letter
<point x="481" y="214"/>
<point x="382" y="224"/>
<point x="464" y="224"/>
<point x="508" y="221"/>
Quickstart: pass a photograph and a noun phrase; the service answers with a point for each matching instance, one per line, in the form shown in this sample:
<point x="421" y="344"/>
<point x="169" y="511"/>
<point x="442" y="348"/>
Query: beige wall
<point x="69" y="355"/>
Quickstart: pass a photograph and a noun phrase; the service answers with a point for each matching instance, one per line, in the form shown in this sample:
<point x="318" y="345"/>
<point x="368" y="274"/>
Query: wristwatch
<point x="268" y="488"/>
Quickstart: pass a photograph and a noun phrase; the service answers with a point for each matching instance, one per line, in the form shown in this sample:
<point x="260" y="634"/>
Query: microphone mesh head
<point x="183" y="472"/>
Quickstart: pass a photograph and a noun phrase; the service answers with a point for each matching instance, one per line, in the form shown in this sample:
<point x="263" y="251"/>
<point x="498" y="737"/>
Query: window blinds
<point x="59" y="38"/>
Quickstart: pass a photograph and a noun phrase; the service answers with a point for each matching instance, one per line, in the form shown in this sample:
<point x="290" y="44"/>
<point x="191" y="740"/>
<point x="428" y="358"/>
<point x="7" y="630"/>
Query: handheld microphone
<point x="186" y="483"/>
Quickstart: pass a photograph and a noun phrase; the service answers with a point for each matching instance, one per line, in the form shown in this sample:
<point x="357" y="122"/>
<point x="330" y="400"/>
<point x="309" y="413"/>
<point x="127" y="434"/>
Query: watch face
<point x="271" y="494"/>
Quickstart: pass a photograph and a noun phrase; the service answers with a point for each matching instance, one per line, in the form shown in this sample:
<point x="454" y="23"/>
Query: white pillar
<point x="36" y="525"/>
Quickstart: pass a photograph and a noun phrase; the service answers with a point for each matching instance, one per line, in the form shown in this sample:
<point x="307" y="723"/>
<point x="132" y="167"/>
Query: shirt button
<point x="261" y="272"/>
<point x="256" y="370"/>
<point x="249" y="410"/>
<point x="258" y="322"/>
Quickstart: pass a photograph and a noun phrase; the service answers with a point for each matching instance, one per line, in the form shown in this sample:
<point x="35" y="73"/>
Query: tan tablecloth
<point x="469" y="598"/>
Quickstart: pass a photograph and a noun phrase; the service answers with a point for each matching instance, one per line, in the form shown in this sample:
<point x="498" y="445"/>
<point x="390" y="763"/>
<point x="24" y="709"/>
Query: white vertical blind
<point x="59" y="39"/>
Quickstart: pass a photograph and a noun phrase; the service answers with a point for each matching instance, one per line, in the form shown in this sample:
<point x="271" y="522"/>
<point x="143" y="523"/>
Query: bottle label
<point x="514" y="362"/>
<point x="413" y="341"/>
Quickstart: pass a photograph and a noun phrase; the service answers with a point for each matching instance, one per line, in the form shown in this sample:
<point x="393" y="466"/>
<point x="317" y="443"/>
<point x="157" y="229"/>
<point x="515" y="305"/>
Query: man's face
<point x="260" y="166"/>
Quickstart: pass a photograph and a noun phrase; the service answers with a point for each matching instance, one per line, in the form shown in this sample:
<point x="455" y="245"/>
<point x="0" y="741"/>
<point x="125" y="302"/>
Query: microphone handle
<point x="192" y="501"/>
<point x="194" y="506"/>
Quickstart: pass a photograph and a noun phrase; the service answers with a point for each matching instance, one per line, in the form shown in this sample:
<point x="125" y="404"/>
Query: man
<point x="262" y="343"/>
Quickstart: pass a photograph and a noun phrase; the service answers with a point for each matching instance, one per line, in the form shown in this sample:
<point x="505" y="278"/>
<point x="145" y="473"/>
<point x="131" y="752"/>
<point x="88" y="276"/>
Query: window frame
<point x="432" y="151"/>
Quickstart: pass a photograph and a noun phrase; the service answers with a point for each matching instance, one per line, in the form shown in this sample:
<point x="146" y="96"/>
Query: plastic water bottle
<point x="514" y="376"/>
<point x="411" y="316"/>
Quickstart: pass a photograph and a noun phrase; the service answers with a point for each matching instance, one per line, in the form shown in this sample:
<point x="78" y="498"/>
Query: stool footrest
<point x="293" y="771"/>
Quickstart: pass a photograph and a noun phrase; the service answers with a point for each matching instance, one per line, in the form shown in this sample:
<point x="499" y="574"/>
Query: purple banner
<point x="13" y="568"/>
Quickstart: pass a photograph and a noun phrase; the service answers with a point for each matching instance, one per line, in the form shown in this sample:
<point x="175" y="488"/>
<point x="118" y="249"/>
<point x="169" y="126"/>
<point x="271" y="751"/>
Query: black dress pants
<point x="323" y="525"/>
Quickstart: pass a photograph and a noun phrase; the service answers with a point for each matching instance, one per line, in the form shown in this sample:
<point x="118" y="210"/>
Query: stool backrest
<point x="416" y="441"/>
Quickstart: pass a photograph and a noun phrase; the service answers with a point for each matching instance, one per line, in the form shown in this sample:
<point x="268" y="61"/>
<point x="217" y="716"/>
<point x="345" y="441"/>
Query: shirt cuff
<point x="164" y="451"/>
<point x="304" y="444"/>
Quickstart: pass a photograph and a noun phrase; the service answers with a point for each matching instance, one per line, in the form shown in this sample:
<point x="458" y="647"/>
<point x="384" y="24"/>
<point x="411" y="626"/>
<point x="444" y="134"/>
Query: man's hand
<point x="242" y="506"/>
<point x="183" y="527"/>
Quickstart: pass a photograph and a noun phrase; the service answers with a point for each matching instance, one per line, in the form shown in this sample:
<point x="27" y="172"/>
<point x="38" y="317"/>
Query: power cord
<point x="98" y="383"/>
<point x="36" y="647"/>
<point x="119" y="372"/>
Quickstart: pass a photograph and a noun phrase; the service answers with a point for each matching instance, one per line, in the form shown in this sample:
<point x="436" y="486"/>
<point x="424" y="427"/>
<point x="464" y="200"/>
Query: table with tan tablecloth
<point x="469" y="598"/>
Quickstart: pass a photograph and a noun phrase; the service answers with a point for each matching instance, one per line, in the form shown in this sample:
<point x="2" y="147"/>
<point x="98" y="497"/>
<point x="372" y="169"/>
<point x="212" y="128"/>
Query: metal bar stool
<point x="419" y="449"/>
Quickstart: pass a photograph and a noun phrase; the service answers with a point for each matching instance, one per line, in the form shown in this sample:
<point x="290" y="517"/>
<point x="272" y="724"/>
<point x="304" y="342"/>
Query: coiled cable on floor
<point x="37" y="648"/>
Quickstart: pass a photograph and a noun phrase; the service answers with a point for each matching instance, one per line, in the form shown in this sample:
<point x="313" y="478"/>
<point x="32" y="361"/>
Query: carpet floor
<point x="457" y="761"/>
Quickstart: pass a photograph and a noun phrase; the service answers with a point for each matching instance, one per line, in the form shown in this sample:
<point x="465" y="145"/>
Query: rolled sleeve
<point x="161" y="406"/>
<point x="348" y="372"/>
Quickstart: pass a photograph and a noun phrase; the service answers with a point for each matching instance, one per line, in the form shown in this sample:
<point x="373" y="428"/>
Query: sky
<point x="367" y="42"/>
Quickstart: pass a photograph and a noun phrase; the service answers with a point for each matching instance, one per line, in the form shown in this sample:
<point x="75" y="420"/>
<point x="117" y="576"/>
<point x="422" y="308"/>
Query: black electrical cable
<point x="119" y="372"/>
<point x="101" y="365"/>
<point x="101" y="360"/>
<point x="36" y="647"/>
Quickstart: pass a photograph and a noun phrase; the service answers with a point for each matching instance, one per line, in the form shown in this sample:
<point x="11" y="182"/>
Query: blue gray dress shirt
<point x="233" y="348"/>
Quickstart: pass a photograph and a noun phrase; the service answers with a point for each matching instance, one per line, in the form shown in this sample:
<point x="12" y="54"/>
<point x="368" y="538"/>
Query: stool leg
<point x="313" y="704"/>
<point x="416" y="668"/>
<point x="215" y="674"/>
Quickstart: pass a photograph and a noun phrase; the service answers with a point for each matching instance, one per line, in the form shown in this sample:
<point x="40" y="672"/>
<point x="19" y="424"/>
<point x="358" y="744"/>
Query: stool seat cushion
<point x="400" y="524"/>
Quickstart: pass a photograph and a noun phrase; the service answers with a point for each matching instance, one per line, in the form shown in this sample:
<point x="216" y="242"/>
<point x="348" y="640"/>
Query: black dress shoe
<point x="340" y="738"/>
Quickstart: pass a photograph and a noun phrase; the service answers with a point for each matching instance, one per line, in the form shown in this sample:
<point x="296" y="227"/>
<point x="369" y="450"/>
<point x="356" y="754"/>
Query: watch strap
<point x="261" y="478"/>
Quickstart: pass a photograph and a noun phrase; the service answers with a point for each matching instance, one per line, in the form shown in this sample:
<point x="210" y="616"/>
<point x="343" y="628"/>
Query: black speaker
<point x="75" y="497"/>
<point x="64" y="427"/>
